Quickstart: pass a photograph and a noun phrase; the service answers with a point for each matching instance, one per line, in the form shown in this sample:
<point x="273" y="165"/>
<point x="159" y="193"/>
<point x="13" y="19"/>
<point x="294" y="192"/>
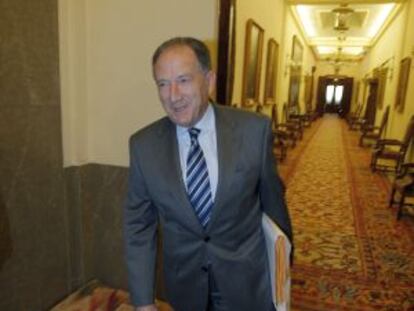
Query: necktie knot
<point x="194" y="132"/>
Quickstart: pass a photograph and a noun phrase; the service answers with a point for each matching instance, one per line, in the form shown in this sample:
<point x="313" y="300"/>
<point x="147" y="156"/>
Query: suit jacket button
<point x="204" y="268"/>
<point x="206" y="239"/>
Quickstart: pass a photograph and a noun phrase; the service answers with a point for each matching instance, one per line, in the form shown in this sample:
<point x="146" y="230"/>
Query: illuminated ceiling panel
<point x="351" y="27"/>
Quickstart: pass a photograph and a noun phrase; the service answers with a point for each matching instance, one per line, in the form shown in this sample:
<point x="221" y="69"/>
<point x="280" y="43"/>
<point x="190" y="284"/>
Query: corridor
<point x="351" y="252"/>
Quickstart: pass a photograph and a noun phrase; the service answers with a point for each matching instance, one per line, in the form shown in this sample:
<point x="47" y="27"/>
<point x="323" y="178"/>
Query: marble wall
<point x="33" y="227"/>
<point x="59" y="227"/>
<point x="94" y="196"/>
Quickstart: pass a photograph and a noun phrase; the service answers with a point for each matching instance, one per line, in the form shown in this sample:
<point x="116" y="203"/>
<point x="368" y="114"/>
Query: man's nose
<point x="175" y="93"/>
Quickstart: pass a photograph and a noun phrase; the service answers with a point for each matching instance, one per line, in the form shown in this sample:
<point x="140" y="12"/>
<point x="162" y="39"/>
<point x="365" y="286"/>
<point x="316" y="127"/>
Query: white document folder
<point x="278" y="251"/>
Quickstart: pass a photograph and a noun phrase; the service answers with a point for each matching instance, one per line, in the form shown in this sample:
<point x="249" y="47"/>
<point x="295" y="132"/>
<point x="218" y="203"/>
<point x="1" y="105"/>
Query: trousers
<point x="216" y="302"/>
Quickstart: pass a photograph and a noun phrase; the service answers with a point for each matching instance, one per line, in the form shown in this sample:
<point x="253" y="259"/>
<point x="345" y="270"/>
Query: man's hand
<point x="147" y="308"/>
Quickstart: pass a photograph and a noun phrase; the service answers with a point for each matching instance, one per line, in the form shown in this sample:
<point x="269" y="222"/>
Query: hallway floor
<point x="351" y="252"/>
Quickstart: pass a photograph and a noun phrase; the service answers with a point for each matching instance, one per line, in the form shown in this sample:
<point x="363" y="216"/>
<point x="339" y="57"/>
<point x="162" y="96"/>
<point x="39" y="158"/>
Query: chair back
<point x="384" y="121"/>
<point x="308" y="107"/>
<point x="275" y="121"/>
<point x="409" y="133"/>
<point x="358" y="110"/>
<point x="285" y="112"/>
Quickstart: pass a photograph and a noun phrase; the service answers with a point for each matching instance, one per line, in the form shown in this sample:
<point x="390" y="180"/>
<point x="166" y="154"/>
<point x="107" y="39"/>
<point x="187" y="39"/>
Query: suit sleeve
<point x="140" y="233"/>
<point x="272" y="189"/>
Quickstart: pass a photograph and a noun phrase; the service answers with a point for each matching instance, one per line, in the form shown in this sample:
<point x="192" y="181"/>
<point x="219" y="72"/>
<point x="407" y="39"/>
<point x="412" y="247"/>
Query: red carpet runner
<point x="351" y="253"/>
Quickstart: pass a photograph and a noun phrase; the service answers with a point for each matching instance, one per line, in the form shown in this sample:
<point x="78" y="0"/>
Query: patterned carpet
<point x="351" y="253"/>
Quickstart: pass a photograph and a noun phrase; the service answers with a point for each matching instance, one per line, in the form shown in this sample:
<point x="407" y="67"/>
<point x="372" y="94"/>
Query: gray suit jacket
<point x="232" y="243"/>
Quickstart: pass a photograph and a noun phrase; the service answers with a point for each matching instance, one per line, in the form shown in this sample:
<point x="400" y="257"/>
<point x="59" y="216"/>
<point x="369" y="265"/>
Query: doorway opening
<point x="334" y="95"/>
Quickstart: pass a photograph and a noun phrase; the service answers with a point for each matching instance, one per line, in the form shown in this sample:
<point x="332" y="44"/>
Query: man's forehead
<point x="178" y="48"/>
<point x="177" y="52"/>
<point x="178" y="64"/>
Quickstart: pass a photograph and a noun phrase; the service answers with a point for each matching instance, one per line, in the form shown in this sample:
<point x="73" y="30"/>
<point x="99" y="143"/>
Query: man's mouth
<point x="180" y="108"/>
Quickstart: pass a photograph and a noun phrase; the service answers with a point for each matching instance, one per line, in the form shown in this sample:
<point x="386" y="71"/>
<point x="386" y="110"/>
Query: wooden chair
<point x="354" y="115"/>
<point x="280" y="146"/>
<point x="295" y="124"/>
<point x="286" y="131"/>
<point x="282" y="138"/>
<point x="404" y="185"/>
<point x="312" y="114"/>
<point x="356" y="121"/>
<point x="393" y="150"/>
<point x="298" y="115"/>
<point x="374" y="132"/>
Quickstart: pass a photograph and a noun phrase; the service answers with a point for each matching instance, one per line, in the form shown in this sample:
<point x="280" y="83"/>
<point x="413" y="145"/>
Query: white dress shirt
<point x="208" y="143"/>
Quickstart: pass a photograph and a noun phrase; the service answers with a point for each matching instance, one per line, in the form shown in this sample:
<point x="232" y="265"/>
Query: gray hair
<point x="198" y="47"/>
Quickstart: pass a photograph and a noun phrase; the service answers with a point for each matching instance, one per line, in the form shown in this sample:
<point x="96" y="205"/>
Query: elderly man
<point x="204" y="174"/>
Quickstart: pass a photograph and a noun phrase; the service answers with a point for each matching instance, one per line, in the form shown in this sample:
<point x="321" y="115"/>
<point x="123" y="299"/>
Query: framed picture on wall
<point x="252" y="63"/>
<point x="271" y="72"/>
<point x="365" y="89"/>
<point x="226" y="52"/>
<point x="295" y="72"/>
<point x="297" y="50"/>
<point x="294" y="88"/>
<point x="405" y="65"/>
<point x="308" y="90"/>
<point x="382" y="84"/>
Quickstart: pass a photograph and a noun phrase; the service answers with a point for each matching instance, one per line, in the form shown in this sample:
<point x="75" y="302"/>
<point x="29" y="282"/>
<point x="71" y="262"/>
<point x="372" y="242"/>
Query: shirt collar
<point x="205" y="124"/>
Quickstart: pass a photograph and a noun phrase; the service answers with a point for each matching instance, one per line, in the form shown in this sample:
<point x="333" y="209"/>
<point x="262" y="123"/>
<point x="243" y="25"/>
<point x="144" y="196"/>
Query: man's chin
<point x="181" y="122"/>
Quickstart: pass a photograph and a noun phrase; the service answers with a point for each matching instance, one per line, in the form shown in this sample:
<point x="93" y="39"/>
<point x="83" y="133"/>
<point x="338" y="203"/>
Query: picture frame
<point x="272" y="67"/>
<point x="365" y="85"/>
<point x="403" y="78"/>
<point x="226" y="52"/>
<point x="297" y="50"/>
<point x="295" y="72"/>
<point x="381" y="74"/>
<point x="294" y="88"/>
<point x="252" y="63"/>
<point x="308" y="90"/>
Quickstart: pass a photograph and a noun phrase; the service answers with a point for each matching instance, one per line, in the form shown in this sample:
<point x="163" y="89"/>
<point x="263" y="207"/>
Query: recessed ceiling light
<point x="326" y="49"/>
<point x="353" y="50"/>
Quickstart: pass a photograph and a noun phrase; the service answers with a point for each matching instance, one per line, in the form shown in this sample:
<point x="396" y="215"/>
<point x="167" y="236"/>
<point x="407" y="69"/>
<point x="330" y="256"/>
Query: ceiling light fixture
<point x="341" y="15"/>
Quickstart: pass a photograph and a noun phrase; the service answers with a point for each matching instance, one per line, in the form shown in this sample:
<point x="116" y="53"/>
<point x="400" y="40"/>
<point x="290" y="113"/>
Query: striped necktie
<point x="198" y="182"/>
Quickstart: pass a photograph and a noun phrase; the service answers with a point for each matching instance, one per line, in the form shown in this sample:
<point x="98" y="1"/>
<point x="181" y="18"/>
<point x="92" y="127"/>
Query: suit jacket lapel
<point x="228" y="143"/>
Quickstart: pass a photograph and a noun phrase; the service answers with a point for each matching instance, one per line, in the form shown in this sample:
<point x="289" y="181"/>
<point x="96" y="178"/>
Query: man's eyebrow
<point x="161" y="80"/>
<point x="185" y="75"/>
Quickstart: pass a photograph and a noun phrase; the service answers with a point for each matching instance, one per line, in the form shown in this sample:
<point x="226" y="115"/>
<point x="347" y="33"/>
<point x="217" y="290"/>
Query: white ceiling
<point x="360" y="25"/>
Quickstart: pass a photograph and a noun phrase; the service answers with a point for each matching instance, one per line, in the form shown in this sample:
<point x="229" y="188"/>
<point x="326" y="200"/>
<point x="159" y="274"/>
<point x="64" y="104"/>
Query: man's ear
<point x="211" y="78"/>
